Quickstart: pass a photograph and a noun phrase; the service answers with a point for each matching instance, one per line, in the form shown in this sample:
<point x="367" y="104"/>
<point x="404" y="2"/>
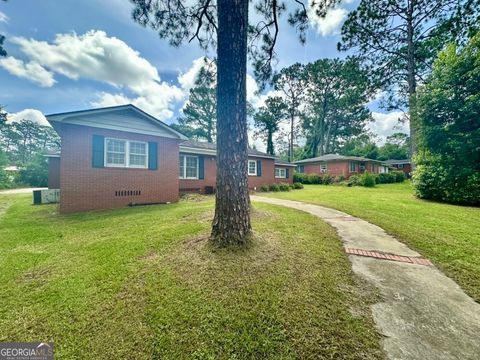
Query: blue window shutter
<point x="98" y="151"/>
<point x="152" y="156"/>
<point x="259" y="167"/>
<point x="201" y="167"/>
<point x="286" y="173"/>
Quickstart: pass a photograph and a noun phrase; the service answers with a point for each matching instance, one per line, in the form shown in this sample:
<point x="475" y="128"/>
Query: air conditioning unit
<point x="47" y="196"/>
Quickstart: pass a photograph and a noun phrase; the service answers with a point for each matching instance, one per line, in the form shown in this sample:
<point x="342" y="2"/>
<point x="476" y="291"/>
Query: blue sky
<point x="69" y="55"/>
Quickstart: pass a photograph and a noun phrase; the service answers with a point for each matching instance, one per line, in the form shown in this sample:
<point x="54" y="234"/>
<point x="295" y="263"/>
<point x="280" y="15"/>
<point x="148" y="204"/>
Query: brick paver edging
<point x="386" y="256"/>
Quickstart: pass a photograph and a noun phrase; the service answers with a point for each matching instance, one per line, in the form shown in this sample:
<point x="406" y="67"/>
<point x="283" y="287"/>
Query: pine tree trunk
<point x="270" y="143"/>
<point x="412" y="83"/>
<point x="231" y="224"/>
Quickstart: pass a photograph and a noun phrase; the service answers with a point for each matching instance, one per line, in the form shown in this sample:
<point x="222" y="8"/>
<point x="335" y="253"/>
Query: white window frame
<point x="184" y="175"/>
<point x="354" y="167"/>
<point x="127" y="154"/>
<point x="278" y="172"/>
<point x="400" y="166"/>
<point x="255" y="173"/>
<point x="323" y="168"/>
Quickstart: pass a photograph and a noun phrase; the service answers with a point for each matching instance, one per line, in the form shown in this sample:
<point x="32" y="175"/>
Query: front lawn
<point x="141" y="283"/>
<point x="449" y="235"/>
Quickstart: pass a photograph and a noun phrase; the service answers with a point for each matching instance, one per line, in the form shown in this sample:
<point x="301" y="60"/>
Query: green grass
<point x="449" y="235"/>
<point x="142" y="283"/>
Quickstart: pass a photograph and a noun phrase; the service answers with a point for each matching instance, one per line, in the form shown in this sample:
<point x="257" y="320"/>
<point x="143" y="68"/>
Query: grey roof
<point x="334" y="157"/>
<point x="402" y="161"/>
<point x="123" y="112"/>
<point x="212" y="146"/>
<point x="283" y="162"/>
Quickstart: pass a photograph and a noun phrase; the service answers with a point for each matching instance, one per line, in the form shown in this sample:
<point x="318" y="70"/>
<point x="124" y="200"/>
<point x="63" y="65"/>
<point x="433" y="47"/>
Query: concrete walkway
<point x="20" y="191"/>
<point x="423" y="314"/>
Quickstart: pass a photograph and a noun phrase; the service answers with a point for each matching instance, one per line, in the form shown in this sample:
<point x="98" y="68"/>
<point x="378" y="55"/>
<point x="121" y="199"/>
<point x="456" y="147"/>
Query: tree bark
<point x="231" y="224"/>
<point x="412" y="83"/>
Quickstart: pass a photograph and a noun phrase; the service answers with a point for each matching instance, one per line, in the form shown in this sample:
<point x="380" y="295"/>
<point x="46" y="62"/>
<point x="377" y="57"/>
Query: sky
<point x="72" y="55"/>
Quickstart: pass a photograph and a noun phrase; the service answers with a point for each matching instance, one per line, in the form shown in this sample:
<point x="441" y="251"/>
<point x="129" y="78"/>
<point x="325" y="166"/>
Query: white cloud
<point x="386" y="124"/>
<point x="331" y="23"/>
<point x="96" y="56"/>
<point x="31" y="70"/>
<point x="28" y="114"/>
<point x="3" y="17"/>
<point x="188" y="78"/>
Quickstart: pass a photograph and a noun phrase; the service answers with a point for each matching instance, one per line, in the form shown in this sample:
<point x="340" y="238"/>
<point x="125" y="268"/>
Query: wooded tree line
<point x="24" y="145"/>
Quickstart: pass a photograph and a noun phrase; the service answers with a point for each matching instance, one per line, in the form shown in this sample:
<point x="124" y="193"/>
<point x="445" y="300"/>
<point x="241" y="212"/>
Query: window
<point x="362" y="166"/>
<point x="353" y="167"/>
<point x="188" y="167"/>
<point x="125" y="153"/>
<point x="400" y="166"/>
<point x="373" y="168"/>
<point x="323" y="168"/>
<point x="137" y="154"/>
<point x="280" y="173"/>
<point x="252" y="167"/>
<point x="300" y="169"/>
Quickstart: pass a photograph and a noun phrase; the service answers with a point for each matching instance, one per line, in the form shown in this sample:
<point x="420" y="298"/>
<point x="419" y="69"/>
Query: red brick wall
<point x="268" y="173"/>
<point x="289" y="180"/>
<point x="84" y="187"/>
<point x="407" y="168"/>
<point x="210" y="177"/>
<point x="54" y="173"/>
<point x="267" y="178"/>
<point x="337" y="168"/>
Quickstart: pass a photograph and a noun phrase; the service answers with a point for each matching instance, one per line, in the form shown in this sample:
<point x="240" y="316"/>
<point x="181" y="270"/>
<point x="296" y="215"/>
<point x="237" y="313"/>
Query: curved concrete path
<point x="423" y="314"/>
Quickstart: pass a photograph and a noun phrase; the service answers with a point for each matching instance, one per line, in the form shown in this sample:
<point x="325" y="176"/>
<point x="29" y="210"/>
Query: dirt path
<point x="424" y="314"/>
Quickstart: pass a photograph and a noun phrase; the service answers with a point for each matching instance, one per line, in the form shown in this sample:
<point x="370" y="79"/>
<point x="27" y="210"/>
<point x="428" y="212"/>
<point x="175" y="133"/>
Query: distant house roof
<point x="395" y="162"/>
<point x="202" y="147"/>
<point x="283" y="162"/>
<point x="335" y="157"/>
<point x="122" y="118"/>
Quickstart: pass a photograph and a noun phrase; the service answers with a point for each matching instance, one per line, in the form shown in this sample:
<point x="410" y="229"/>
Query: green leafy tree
<point x="224" y="25"/>
<point x="362" y="145"/>
<point x="267" y="120"/>
<point x="448" y="163"/>
<point x="335" y="104"/>
<point x="290" y="82"/>
<point x="35" y="172"/>
<point x="400" y="38"/>
<point x="200" y="114"/>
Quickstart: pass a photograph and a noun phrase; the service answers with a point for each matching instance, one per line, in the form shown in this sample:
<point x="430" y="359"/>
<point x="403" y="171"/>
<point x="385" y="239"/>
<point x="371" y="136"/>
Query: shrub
<point x="314" y="179"/>
<point x="297" y="185"/>
<point x="353" y="180"/>
<point x="263" y="188"/>
<point x="327" y="179"/>
<point x="399" y="176"/>
<point x="438" y="181"/>
<point x="339" y="179"/>
<point x="386" y="178"/>
<point x="300" y="178"/>
<point x="274" y="187"/>
<point x="284" y="187"/>
<point x="367" y="179"/>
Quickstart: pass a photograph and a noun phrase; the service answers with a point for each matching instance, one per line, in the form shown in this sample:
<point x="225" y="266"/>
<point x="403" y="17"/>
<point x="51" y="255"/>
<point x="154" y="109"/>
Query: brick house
<point x="404" y="165"/>
<point x="198" y="168"/>
<point x="339" y="165"/>
<point x="118" y="156"/>
<point x="113" y="157"/>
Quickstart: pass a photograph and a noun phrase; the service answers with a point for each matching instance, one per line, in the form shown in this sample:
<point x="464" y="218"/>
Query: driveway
<point x="20" y="191"/>
<point x="423" y="314"/>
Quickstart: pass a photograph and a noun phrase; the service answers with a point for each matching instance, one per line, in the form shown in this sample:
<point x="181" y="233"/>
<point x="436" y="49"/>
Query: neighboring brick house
<point x="113" y="157"/>
<point x="402" y="165"/>
<point x="284" y="171"/>
<point x="339" y="165"/>
<point x="198" y="168"/>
